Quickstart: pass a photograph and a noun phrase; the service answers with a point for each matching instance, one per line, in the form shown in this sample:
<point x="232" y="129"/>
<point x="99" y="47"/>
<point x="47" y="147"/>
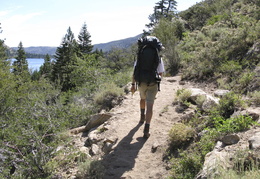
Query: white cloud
<point x="16" y="27"/>
<point x="3" y="13"/>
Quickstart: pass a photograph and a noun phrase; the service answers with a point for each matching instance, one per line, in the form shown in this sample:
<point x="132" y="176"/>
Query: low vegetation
<point x="187" y="150"/>
<point x="213" y="41"/>
<point x="36" y="108"/>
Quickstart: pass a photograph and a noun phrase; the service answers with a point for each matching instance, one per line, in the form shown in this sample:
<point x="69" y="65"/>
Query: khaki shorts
<point x="148" y="92"/>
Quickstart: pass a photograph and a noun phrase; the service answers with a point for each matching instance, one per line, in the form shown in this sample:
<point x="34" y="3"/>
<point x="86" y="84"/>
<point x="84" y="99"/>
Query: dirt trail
<point x="134" y="157"/>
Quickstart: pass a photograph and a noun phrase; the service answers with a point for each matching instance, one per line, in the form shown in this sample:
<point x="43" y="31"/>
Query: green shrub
<point x="183" y="95"/>
<point x="235" y="124"/>
<point x="186" y="166"/>
<point x="223" y="83"/>
<point x="229" y="103"/>
<point x="230" y="68"/>
<point x="214" y="19"/>
<point x="244" y="80"/>
<point x="207" y="141"/>
<point x="106" y="94"/>
<point x="180" y="135"/>
<point x="255" y="98"/>
<point x="122" y="78"/>
<point x="91" y="169"/>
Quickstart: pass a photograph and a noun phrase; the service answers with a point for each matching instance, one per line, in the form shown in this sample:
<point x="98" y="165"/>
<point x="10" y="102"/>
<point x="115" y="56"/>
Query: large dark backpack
<point x="147" y="60"/>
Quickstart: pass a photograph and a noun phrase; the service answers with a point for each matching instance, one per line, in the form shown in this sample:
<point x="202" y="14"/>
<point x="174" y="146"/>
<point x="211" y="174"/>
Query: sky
<point x="45" y="22"/>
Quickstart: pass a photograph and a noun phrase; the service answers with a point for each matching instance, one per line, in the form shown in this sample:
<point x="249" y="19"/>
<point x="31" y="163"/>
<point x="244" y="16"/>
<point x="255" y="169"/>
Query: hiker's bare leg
<point x="149" y="112"/>
<point x="142" y="103"/>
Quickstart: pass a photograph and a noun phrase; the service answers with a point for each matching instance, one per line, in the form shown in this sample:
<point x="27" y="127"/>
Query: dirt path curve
<point x="134" y="157"/>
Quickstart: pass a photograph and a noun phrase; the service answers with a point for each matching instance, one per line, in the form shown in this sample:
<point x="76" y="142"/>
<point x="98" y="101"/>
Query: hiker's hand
<point x="133" y="89"/>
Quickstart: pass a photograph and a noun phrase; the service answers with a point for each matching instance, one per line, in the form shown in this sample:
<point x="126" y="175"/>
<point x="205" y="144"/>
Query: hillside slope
<point x="123" y="43"/>
<point x="105" y="47"/>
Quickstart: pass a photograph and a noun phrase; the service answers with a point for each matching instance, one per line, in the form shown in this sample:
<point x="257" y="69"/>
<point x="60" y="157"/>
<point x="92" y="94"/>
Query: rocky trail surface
<point x="134" y="156"/>
<point x="129" y="155"/>
<point x="117" y="142"/>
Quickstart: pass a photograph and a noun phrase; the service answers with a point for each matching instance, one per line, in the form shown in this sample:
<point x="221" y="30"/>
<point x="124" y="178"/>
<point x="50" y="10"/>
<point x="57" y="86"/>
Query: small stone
<point x="59" y="148"/>
<point x="254" y="142"/>
<point x="220" y="93"/>
<point x="155" y="147"/>
<point x="108" y="147"/>
<point x="219" y="146"/>
<point x="230" y="139"/>
<point x="93" y="137"/>
<point x="181" y="82"/>
<point x="94" y="149"/>
<point x="187" y="117"/>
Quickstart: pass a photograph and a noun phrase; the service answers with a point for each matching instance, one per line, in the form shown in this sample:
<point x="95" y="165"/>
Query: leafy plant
<point x="235" y="124"/>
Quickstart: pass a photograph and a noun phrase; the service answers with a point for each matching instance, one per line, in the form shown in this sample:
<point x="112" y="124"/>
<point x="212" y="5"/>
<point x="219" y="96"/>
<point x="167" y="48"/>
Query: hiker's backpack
<point x="147" y="60"/>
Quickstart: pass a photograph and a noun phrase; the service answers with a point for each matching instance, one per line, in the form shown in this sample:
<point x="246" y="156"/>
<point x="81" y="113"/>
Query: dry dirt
<point x="134" y="157"/>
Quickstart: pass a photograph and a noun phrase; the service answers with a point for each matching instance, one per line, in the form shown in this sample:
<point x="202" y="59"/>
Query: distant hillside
<point x="39" y="50"/>
<point x="124" y="43"/>
<point x="105" y="47"/>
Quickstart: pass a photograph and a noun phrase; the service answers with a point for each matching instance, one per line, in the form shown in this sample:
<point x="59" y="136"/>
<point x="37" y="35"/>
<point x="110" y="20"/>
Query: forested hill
<point x="43" y="50"/>
<point x="124" y="43"/>
<point x="105" y="47"/>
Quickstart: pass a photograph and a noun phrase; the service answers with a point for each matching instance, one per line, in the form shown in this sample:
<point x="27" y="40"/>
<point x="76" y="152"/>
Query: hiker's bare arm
<point x="133" y="80"/>
<point x="133" y="88"/>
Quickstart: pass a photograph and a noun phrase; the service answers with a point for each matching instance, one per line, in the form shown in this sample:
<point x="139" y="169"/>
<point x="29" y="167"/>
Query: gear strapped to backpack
<point x="148" y="60"/>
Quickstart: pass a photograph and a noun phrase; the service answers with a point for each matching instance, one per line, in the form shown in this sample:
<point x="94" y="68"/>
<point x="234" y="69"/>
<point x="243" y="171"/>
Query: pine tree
<point x="3" y="57"/>
<point x="163" y="9"/>
<point x="2" y="48"/>
<point x="84" y="40"/>
<point x="4" y="63"/>
<point x="65" y="59"/>
<point x="46" y="68"/>
<point x="20" y="64"/>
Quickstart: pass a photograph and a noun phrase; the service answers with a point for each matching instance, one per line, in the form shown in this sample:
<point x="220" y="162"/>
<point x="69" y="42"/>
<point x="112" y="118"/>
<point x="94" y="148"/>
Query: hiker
<point x="148" y="70"/>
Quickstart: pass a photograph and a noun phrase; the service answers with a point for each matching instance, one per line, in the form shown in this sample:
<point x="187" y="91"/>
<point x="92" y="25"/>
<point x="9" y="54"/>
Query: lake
<point x="34" y="63"/>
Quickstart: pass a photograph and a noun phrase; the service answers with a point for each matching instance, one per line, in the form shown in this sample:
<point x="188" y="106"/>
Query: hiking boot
<point x="142" y="119"/>
<point x="146" y="135"/>
<point x="146" y="131"/>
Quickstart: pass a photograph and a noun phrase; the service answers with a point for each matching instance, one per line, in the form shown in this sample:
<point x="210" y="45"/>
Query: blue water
<point x="34" y="63"/>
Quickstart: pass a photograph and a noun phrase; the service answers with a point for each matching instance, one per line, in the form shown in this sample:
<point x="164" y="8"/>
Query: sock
<point x="142" y="111"/>
<point x="146" y="128"/>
